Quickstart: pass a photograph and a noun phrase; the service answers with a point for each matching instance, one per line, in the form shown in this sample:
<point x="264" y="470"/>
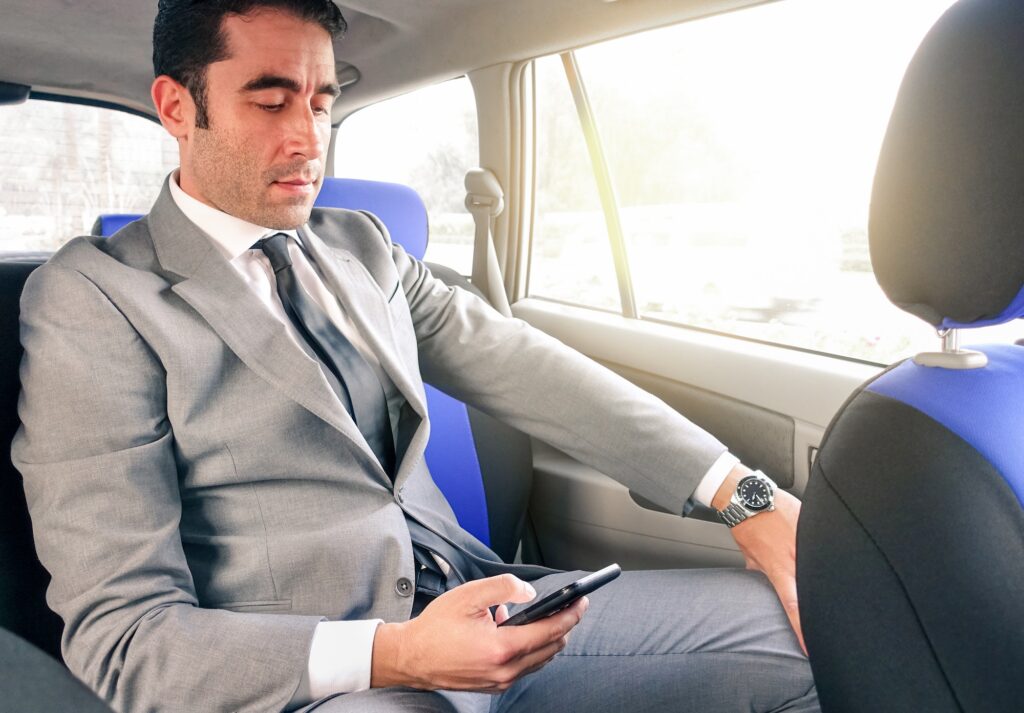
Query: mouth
<point x="296" y="186"/>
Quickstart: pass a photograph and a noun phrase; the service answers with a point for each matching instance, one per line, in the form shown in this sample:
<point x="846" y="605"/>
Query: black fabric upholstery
<point x="910" y="568"/>
<point x="32" y="682"/>
<point x="946" y="214"/>
<point x="505" y="456"/>
<point x="506" y="465"/>
<point x="23" y="580"/>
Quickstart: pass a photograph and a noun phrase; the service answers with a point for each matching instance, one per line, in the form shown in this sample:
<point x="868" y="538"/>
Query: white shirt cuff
<point x="339" y="660"/>
<point x="714" y="478"/>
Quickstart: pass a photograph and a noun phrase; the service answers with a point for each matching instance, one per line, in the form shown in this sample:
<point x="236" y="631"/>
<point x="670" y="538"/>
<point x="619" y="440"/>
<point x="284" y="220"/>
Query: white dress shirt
<point x="341" y="651"/>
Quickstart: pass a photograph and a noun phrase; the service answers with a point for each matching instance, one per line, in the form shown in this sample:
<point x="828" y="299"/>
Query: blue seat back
<point x="399" y="207"/>
<point x="451" y="454"/>
<point x="980" y="406"/>
<point x="110" y="223"/>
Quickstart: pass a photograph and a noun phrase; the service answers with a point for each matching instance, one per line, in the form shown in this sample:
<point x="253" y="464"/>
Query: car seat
<point x="910" y="548"/>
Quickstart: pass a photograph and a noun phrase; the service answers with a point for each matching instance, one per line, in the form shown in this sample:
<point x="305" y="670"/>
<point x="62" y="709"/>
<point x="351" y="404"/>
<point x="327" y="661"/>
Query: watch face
<point x="754" y="493"/>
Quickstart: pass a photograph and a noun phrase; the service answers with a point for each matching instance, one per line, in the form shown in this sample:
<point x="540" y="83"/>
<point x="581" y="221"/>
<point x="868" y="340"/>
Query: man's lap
<point x="701" y="640"/>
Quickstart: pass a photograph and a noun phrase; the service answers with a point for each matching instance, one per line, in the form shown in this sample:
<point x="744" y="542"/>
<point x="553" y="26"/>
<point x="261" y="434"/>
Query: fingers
<point x="785" y="587"/>
<point x="482" y="594"/>
<point x="541" y="633"/>
<point x="523" y="659"/>
<point x="536" y="660"/>
<point x="456" y="644"/>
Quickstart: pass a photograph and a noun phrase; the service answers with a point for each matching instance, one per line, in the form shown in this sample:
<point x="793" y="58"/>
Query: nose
<point x="305" y="135"/>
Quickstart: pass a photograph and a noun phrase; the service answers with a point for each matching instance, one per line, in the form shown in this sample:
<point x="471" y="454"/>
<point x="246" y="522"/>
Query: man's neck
<point x="232" y="235"/>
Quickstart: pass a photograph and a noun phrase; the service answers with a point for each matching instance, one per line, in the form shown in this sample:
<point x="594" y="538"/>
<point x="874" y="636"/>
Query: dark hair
<point x="188" y="36"/>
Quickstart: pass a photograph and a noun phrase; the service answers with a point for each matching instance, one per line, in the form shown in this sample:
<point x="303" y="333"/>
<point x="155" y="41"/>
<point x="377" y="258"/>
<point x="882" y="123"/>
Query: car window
<point x="62" y="165"/>
<point x="427" y="140"/>
<point x="571" y="259"/>
<point x="741" y="149"/>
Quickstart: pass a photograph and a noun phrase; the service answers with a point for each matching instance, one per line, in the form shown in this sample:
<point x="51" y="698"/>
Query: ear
<point x="174" y="106"/>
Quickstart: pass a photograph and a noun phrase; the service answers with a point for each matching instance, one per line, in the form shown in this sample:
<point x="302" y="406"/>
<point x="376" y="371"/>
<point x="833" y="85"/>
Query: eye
<point x="270" y="107"/>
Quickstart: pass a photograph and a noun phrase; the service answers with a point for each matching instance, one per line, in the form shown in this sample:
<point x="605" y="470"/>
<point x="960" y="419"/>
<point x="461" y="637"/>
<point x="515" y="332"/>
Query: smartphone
<point x="561" y="598"/>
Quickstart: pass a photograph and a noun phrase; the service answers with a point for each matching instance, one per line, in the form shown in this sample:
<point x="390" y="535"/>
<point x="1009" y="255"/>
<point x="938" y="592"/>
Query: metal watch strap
<point x="733" y="514"/>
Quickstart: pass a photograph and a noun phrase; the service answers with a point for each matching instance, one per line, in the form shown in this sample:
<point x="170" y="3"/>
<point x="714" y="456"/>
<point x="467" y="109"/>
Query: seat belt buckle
<point x="430" y="583"/>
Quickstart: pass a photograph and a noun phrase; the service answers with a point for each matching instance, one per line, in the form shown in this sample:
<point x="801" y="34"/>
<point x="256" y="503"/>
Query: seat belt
<point x="485" y="201"/>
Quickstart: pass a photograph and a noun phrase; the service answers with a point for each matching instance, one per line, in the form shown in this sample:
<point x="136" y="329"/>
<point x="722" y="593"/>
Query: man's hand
<point x="455" y="644"/>
<point x="768" y="543"/>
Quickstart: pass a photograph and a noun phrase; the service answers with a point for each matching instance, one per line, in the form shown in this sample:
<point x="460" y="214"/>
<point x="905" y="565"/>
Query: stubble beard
<point x="231" y="178"/>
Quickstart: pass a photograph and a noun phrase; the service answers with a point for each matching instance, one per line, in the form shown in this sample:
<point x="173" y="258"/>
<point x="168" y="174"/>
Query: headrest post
<point x="950" y="340"/>
<point x="951" y="356"/>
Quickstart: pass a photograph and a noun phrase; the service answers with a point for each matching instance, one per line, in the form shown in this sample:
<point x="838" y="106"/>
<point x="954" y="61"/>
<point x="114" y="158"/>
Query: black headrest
<point x="947" y="210"/>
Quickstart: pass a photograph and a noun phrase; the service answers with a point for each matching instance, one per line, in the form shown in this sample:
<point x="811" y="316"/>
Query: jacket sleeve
<point x="535" y="383"/>
<point x="96" y="452"/>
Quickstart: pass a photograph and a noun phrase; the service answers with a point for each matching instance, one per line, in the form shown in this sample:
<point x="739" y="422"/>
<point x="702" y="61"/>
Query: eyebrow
<point x="274" y="81"/>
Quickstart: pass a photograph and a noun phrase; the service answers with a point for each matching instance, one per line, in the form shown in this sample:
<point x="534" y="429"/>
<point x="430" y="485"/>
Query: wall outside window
<point x="62" y="165"/>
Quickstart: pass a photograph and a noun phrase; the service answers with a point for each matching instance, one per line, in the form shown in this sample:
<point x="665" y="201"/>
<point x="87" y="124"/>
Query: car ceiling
<point x="101" y="49"/>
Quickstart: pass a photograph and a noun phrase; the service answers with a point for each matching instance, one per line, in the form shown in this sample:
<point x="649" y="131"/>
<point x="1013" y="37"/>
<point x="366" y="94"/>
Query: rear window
<point x="62" y="165"/>
<point x="427" y="140"/>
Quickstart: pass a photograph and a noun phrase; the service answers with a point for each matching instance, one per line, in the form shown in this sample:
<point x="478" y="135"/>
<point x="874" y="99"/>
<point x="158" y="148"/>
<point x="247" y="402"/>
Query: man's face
<point x="269" y="108"/>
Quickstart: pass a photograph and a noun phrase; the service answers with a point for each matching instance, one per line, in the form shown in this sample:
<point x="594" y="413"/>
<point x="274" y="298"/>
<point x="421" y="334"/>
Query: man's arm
<point x="535" y="383"/>
<point x="549" y="391"/>
<point x="97" y="455"/>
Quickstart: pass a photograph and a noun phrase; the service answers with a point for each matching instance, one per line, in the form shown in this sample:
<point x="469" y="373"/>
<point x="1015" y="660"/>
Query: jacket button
<point x="399" y="497"/>
<point x="403" y="587"/>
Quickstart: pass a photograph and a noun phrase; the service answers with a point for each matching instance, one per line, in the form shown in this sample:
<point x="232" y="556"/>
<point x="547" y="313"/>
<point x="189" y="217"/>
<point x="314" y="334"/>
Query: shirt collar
<point x="232" y="236"/>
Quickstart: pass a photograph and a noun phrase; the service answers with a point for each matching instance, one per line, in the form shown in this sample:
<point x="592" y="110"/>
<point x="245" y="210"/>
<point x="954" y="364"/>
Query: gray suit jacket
<point x="199" y="494"/>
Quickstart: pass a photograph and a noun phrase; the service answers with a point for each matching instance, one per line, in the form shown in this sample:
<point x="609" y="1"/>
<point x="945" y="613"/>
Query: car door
<point x="688" y="206"/>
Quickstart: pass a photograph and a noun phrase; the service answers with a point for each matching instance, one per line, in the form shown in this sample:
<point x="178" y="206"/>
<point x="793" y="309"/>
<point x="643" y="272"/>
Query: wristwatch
<point x="755" y="493"/>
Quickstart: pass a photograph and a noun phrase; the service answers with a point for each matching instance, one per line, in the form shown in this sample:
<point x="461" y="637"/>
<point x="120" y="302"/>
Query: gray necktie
<point x="360" y="391"/>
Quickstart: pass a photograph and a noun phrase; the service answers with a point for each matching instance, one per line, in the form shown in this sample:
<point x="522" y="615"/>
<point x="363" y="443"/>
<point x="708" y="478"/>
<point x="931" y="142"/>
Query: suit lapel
<point x="367" y="307"/>
<point x="212" y="287"/>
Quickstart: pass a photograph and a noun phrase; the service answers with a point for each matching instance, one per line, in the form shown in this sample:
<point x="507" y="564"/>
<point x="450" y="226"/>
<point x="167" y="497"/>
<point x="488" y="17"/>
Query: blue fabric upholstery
<point x="399" y="207"/>
<point x="110" y="223"/>
<point x="454" y="466"/>
<point x="982" y="406"/>
<point x="451" y="453"/>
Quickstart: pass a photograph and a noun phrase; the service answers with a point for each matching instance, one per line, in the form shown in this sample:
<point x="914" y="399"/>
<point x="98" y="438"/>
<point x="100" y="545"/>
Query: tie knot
<point x="275" y="247"/>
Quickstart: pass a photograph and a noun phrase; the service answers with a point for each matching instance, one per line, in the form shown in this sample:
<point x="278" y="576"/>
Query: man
<point x="223" y="435"/>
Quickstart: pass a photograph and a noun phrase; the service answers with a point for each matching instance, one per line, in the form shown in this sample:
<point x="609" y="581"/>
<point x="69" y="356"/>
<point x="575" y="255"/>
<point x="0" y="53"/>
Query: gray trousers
<point x="672" y="640"/>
